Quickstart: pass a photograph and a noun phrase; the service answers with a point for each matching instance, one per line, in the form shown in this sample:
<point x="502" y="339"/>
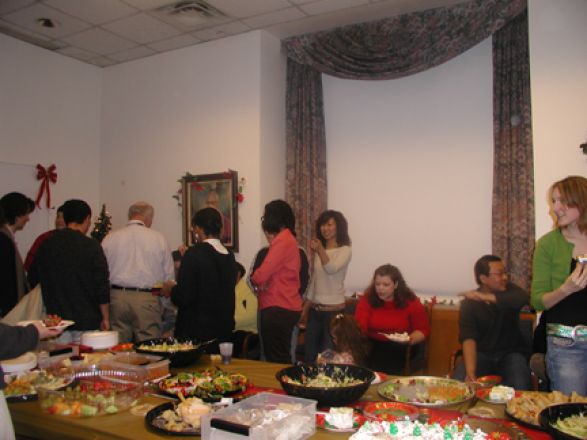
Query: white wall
<point x="410" y="165"/>
<point x="49" y="113"/>
<point x="558" y="59"/>
<point x="196" y="110"/>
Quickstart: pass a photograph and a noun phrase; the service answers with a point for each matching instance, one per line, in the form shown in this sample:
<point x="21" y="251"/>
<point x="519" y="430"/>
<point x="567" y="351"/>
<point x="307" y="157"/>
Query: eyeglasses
<point x="499" y="274"/>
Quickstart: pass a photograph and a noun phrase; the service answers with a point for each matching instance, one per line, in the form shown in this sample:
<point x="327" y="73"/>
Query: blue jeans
<point x="512" y="367"/>
<point x="566" y="362"/>
<point x="317" y="337"/>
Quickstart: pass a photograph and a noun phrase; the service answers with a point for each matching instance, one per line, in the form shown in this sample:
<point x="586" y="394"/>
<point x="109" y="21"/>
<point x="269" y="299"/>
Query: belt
<point x="328" y="307"/>
<point x="152" y="291"/>
<point x="577" y="333"/>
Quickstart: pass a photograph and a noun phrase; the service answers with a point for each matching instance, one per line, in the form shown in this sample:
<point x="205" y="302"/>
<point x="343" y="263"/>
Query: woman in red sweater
<point x="390" y="306"/>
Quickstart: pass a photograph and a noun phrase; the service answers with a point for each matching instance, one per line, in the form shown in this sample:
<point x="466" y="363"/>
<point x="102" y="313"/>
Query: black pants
<point x="276" y="326"/>
<point x="389" y="357"/>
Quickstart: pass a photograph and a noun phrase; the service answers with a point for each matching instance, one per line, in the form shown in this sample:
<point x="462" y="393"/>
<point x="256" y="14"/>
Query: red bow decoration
<point x="45" y="176"/>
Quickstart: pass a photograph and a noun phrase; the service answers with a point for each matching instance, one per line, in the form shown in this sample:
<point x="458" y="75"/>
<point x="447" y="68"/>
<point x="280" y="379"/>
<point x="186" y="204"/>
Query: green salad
<point x="574" y="425"/>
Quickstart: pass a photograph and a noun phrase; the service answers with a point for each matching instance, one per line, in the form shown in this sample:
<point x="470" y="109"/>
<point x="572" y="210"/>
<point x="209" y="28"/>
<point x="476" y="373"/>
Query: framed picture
<point x="218" y="191"/>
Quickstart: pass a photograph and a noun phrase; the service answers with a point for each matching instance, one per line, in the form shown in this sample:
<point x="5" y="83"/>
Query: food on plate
<point x="185" y="417"/>
<point x="340" y="418"/>
<point x="206" y="384"/>
<point x="528" y="405"/>
<point x="482" y="411"/>
<point x="426" y="391"/>
<point x="26" y="383"/>
<point x="169" y="346"/>
<point x="323" y="380"/>
<point x="575" y="425"/>
<point x="52" y="320"/>
<point x="408" y="430"/>
<point x="501" y="393"/>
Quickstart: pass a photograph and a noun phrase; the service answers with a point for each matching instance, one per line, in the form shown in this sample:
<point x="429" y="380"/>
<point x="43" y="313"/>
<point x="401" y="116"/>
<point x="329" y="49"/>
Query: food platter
<point x="155" y="420"/>
<point x="567" y="421"/>
<point x="23" y="386"/>
<point x="426" y="391"/>
<point x="484" y="395"/>
<point x="390" y="411"/>
<point x="209" y="385"/>
<point x="525" y="408"/>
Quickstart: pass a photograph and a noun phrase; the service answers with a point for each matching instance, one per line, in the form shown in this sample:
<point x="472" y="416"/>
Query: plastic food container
<point x="94" y="392"/>
<point x="265" y="416"/>
<point x="152" y="367"/>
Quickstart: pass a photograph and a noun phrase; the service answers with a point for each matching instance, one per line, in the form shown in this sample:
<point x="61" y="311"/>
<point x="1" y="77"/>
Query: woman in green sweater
<point x="559" y="285"/>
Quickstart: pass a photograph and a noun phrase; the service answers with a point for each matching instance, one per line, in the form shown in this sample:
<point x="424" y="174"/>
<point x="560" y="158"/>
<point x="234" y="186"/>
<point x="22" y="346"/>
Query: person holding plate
<point x="559" y="285"/>
<point x="390" y="306"/>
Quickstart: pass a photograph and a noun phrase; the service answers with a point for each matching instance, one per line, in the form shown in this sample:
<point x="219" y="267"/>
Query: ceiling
<point x="108" y="32"/>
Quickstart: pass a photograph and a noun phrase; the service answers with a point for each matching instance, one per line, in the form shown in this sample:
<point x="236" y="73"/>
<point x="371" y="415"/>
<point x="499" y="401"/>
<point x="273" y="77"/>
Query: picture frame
<point x="217" y="190"/>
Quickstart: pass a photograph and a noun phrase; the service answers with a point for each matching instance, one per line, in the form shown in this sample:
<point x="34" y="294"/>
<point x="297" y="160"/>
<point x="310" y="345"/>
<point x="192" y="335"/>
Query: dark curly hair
<point x="402" y="293"/>
<point x="277" y="216"/>
<point x="347" y="336"/>
<point x="342" y="227"/>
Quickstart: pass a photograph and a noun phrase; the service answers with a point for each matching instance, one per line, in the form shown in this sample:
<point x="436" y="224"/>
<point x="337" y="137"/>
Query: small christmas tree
<point x="102" y="226"/>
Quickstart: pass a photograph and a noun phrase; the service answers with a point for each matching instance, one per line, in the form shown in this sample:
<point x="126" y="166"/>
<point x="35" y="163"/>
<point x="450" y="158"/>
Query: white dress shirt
<point x="138" y="256"/>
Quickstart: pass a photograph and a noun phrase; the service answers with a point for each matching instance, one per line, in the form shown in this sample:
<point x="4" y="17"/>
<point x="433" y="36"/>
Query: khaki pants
<point x="135" y="315"/>
<point x="6" y="429"/>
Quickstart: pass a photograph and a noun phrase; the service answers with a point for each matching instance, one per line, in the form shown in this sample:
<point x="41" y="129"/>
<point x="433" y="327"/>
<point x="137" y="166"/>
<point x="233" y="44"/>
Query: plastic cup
<point x="226" y="352"/>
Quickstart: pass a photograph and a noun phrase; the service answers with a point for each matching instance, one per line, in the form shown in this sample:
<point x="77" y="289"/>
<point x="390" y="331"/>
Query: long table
<point x="30" y="421"/>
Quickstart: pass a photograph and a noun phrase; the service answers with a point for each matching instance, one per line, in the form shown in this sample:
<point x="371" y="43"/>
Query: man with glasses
<point x="489" y="325"/>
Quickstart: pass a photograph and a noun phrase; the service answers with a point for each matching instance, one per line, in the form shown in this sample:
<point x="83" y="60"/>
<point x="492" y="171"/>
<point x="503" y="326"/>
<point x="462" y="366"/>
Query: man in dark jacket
<point x="73" y="273"/>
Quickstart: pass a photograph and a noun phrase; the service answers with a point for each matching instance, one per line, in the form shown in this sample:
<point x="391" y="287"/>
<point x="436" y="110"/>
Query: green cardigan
<point x="550" y="268"/>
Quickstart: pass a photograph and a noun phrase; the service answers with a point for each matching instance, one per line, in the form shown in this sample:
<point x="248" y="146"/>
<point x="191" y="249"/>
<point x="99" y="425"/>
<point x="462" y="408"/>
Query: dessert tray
<point x="426" y="391"/>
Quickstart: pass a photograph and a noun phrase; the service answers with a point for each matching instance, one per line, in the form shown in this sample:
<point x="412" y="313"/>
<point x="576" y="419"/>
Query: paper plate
<point x="21" y="363"/>
<point x="396" y="337"/>
<point x="62" y="325"/>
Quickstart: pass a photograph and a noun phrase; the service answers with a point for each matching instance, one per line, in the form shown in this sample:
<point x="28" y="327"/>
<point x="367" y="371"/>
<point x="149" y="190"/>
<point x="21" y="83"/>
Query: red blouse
<point x="389" y="319"/>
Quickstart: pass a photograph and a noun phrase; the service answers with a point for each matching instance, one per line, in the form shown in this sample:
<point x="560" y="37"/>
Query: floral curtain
<point x="306" y="188"/>
<point x="384" y="49"/>
<point x="513" y="166"/>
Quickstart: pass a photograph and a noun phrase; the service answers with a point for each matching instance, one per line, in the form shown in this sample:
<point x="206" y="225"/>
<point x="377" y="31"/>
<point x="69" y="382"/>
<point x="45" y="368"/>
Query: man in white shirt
<point x="141" y="269"/>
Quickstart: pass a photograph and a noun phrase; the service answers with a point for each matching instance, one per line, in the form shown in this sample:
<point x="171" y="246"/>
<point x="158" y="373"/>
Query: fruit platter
<point x="93" y="392"/>
<point x="426" y="391"/>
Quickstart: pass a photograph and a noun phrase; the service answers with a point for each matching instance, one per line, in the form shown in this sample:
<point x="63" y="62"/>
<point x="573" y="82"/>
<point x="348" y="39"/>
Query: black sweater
<point x="204" y="294"/>
<point x="73" y="273"/>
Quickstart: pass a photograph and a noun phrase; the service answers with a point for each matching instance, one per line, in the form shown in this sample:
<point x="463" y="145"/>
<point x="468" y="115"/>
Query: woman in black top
<point x="204" y="293"/>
